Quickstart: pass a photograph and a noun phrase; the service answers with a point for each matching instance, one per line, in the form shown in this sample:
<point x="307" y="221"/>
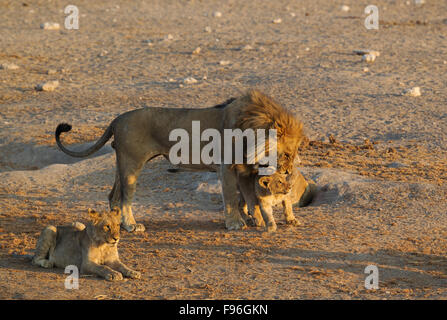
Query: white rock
<point x="196" y="50"/>
<point x="419" y="2"/>
<point x="365" y="69"/>
<point x="217" y="14"/>
<point x="292" y="14"/>
<point x="9" y="66"/>
<point x="47" y="86"/>
<point x="208" y="29"/>
<point x="307" y="49"/>
<point x="168" y="37"/>
<point x="413" y="92"/>
<point x="189" y="80"/>
<point x="345" y="8"/>
<point x="369" y="58"/>
<point x="224" y="62"/>
<point x="362" y="52"/>
<point x="278" y="20"/>
<point x="50" y="26"/>
<point x="247" y="47"/>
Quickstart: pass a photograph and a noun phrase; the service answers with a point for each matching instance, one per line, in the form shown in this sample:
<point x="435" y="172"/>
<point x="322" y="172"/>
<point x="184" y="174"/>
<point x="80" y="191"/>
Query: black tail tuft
<point x="62" y="127"/>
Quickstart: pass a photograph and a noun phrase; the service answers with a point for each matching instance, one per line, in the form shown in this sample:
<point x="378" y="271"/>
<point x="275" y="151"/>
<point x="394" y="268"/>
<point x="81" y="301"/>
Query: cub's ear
<point x="93" y="215"/>
<point x="264" y="182"/>
<point x="116" y="211"/>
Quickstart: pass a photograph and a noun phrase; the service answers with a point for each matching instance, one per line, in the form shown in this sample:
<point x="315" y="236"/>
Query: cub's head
<point x="275" y="184"/>
<point x="105" y="226"/>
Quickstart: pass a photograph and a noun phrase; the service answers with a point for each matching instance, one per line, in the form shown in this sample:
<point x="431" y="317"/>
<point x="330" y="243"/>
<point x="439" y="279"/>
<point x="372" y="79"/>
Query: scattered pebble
<point x="365" y="69"/>
<point x="369" y="58"/>
<point x="278" y="20"/>
<point x="413" y="92"/>
<point x="149" y="42"/>
<point x="103" y="53"/>
<point x="217" y="14"/>
<point x="50" y="26"/>
<point x="9" y="66"/>
<point x="363" y="52"/>
<point x="247" y="47"/>
<point x="419" y="2"/>
<point x="47" y="86"/>
<point x="208" y="29"/>
<point x="196" y="50"/>
<point x="345" y="8"/>
<point x="292" y="14"/>
<point x="307" y="49"/>
<point x="168" y="37"/>
<point x="224" y="62"/>
<point x="189" y="80"/>
<point x="51" y="71"/>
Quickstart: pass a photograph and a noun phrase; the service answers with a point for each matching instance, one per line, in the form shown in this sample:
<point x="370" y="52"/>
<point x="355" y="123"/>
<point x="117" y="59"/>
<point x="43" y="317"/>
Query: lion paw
<point x="235" y="224"/>
<point x="46" y="264"/>
<point x="114" y="276"/>
<point x="133" y="274"/>
<point x="138" y="227"/>
<point x="293" y="222"/>
<point x="271" y="227"/>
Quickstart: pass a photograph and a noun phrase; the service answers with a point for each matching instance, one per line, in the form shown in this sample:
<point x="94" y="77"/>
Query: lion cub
<point x="92" y="248"/>
<point x="274" y="189"/>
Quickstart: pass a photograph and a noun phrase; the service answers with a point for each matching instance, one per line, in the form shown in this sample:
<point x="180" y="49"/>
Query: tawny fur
<point x="272" y="190"/>
<point x="142" y="134"/>
<point x="93" y="248"/>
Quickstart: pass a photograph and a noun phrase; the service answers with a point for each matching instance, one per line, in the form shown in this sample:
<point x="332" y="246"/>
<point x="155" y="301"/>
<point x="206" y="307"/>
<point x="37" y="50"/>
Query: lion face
<point x="287" y="153"/>
<point x="276" y="183"/>
<point x="106" y="226"/>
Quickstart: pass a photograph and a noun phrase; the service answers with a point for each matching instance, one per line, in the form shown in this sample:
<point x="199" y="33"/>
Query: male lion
<point x="92" y="248"/>
<point x="143" y="134"/>
<point x="271" y="190"/>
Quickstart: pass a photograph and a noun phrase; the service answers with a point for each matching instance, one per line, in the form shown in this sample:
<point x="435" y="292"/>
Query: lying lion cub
<point x="92" y="248"/>
<point x="274" y="189"/>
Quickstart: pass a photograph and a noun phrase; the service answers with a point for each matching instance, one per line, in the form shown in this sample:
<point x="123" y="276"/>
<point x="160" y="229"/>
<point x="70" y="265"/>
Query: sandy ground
<point x="378" y="157"/>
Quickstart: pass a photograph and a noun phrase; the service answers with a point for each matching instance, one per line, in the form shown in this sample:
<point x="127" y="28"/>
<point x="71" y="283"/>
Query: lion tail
<point x="308" y="195"/>
<point x="65" y="127"/>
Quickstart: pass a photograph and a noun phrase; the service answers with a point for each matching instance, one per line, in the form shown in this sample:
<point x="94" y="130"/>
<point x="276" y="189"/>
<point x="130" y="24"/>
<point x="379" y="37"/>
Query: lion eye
<point x="106" y="228"/>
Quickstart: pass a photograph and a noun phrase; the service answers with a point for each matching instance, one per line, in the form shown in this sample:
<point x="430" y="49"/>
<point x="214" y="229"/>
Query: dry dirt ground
<point x="378" y="157"/>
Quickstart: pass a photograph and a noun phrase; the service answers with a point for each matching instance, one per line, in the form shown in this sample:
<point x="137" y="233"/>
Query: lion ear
<point x="93" y="215"/>
<point x="264" y="182"/>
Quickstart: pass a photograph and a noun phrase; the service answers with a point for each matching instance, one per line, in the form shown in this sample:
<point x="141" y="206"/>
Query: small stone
<point x="419" y="2"/>
<point x="278" y="20"/>
<point x="103" y="53"/>
<point x="362" y="52"/>
<point x="369" y="58"/>
<point x="50" y="26"/>
<point x="149" y="42"/>
<point x="247" y="47"/>
<point x="168" y="37"/>
<point x="413" y="92"/>
<point x="292" y="14"/>
<point x="196" y="50"/>
<point x="47" y="86"/>
<point x="365" y="69"/>
<point x="8" y="66"/>
<point x="51" y="71"/>
<point x="224" y="62"/>
<point x="307" y="49"/>
<point x="345" y="8"/>
<point x="189" y="80"/>
<point x="217" y="14"/>
<point x="208" y="29"/>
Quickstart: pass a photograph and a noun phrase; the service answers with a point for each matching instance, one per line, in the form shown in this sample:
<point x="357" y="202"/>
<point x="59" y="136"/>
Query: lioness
<point x="143" y="134"/>
<point x="92" y="248"/>
<point x="271" y="190"/>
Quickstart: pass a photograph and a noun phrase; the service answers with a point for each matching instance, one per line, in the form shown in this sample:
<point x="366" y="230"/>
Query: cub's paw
<point x="271" y="227"/>
<point x="114" y="276"/>
<point x="133" y="274"/>
<point x="46" y="264"/>
<point x="293" y="222"/>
